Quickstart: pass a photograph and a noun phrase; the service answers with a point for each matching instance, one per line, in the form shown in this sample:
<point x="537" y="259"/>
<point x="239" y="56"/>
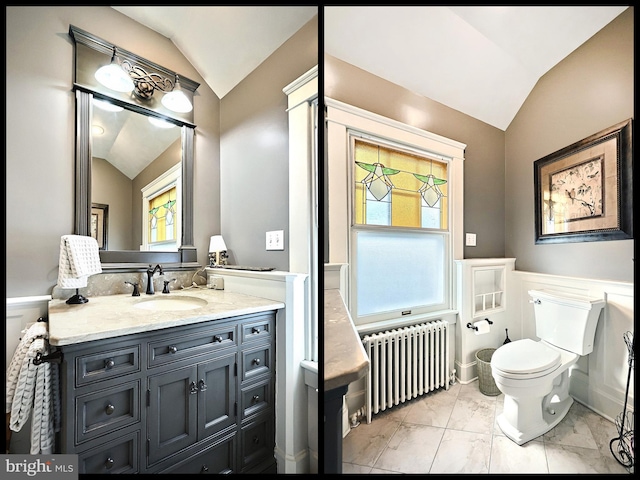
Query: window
<point x="161" y="219"/>
<point x="396" y="220"/>
<point x="161" y="206"/>
<point x="400" y="242"/>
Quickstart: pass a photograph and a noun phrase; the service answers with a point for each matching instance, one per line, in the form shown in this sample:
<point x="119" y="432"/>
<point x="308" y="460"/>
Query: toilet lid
<point x="525" y="357"/>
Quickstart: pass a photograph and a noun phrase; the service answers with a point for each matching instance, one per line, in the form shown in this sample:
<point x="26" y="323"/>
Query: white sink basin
<point x="167" y="303"/>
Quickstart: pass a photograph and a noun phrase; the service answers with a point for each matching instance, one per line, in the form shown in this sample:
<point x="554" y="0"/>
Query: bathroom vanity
<point x="179" y="383"/>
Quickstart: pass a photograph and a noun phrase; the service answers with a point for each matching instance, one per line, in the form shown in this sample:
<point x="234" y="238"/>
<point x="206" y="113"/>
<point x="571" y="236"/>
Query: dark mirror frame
<point x="85" y="90"/>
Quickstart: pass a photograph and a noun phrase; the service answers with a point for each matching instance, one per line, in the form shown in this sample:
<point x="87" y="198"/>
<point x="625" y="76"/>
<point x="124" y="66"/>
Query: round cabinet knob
<point x="256" y="398"/>
<point x="256" y="440"/>
<point x="109" y="463"/>
<point x="193" y="388"/>
<point x="217" y="338"/>
<point x="109" y="364"/>
<point x="256" y="361"/>
<point x="202" y="385"/>
<point x="110" y="409"/>
<point x="255" y="330"/>
<point x="204" y="469"/>
<point x="173" y="349"/>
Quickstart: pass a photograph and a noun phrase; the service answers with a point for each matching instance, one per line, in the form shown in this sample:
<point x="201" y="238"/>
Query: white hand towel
<point x="79" y="258"/>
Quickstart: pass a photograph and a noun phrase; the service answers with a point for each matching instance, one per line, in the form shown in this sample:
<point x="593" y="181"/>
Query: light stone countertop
<point x="116" y="315"/>
<point x="344" y="357"/>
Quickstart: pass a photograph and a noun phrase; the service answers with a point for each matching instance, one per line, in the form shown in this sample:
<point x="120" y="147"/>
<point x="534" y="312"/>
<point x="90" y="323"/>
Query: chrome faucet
<point x="150" y="273"/>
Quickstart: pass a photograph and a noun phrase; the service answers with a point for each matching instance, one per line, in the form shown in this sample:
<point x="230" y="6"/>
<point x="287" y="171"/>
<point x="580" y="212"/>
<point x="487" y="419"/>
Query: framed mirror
<point x="134" y="179"/>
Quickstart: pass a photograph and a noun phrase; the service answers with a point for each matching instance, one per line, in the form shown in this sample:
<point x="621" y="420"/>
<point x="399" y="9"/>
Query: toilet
<point x="534" y="375"/>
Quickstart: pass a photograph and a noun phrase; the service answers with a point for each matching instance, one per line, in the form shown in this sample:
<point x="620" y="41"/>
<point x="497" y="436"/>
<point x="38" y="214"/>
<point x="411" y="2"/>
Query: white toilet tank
<point x="566" y="320"/>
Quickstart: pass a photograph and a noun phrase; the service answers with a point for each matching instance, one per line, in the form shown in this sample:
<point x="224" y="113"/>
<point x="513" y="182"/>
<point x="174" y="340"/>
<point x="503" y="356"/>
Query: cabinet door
<point x="172" y="413"/>
<point x="216" y="395"/>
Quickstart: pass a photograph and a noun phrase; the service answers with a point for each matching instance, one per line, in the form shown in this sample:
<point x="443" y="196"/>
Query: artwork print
<point x="582" y="185"/>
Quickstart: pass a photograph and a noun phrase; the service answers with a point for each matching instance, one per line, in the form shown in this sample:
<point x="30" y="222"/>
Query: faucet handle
<point x="136" y="292"/>
<point x="166" y="285"/>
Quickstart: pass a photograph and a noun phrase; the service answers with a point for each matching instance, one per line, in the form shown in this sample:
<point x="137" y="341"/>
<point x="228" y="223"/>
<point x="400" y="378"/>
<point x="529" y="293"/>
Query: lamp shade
<point x="217" y="244"/>
<point x="176" y="100"/>
<point x="114" y="77"/>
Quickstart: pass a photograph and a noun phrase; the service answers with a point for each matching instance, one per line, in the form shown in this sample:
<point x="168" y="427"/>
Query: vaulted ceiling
<point x="482" y="61"/>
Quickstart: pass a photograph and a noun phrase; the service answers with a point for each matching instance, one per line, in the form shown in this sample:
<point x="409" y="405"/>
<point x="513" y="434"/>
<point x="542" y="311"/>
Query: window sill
<point x="446" y="315"/>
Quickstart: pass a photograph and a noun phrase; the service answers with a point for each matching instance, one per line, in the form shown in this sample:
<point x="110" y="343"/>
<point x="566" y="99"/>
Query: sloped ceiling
<point x="482" y="61"/>
<point x="224" y="44"/>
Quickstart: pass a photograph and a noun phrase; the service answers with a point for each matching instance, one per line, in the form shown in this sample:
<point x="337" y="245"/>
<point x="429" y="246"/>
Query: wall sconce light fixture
<point x="217" y="251"/>
<point x="123" y="76"/>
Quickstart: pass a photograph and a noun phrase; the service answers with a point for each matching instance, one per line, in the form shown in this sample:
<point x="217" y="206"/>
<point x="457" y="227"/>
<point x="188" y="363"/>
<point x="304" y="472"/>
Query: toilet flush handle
<point x="536" y="301"/>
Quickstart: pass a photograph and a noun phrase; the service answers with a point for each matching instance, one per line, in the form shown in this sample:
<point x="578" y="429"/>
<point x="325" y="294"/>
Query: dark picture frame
<point x="584" y="192"/>
<point x="99" y="227"/>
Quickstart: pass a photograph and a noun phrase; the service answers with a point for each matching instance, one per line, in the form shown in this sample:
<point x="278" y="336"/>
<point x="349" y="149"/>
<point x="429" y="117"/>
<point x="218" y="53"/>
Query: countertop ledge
<point x="111" y="316"/>
<point x="345" y="359"/>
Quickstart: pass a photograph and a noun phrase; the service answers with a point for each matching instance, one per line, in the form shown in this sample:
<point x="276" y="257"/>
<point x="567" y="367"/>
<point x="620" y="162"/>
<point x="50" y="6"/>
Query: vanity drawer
<point x="218" y="458"/>
<point x="256" y="442"/>
<point x="118" y="456"/>
<point x="256" y="362"/>
<point x="256" y="398"/>
<point x="108" y="364"/>
<point x="261" y="329"/>
<point x="103" y="411"/>
<point x="173" y="348"/>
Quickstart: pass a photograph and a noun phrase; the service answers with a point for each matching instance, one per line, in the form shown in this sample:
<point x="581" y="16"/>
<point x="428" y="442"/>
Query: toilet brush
<point x="506" y="340"/>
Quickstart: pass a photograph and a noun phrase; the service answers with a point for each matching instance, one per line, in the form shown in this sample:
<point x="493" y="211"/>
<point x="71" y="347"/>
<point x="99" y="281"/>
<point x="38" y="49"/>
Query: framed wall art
<point x="100" y="223"/>
<point x="583" y="192"/>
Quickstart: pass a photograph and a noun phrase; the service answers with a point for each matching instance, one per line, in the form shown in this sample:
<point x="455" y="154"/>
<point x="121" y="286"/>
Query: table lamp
<point x="217" y="251"/>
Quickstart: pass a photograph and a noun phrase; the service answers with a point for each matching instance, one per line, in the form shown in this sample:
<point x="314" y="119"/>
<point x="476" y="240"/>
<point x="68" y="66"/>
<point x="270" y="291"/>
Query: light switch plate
<point x="471" y="240"/>
<point x="275" y="240"/>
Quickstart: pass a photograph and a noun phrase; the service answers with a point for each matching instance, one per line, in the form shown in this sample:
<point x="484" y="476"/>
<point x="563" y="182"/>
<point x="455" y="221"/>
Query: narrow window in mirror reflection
<point x="162" y="227"/>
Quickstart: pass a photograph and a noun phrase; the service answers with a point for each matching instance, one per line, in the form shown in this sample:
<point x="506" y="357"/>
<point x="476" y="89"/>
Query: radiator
<point x="405" y="363"/>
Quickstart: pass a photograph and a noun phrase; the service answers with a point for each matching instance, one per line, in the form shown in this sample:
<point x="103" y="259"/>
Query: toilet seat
<point x="525" y="359"/>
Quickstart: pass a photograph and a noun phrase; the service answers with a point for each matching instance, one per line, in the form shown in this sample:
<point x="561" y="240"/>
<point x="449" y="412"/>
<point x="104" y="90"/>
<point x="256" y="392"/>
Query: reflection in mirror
<point x="136" y="172"/>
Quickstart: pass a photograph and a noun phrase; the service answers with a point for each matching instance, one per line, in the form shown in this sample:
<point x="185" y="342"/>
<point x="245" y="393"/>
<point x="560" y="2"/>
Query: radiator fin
<point x="405" y="363"/>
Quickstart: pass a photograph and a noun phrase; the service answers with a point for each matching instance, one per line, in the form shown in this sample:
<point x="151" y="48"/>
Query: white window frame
<point x="344" y="121"/>
<point x="169" y="179"/>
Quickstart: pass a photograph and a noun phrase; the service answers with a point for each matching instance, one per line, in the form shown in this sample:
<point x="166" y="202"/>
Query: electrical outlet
<point x="471" y="240"/>
<point x="275" y="240"/>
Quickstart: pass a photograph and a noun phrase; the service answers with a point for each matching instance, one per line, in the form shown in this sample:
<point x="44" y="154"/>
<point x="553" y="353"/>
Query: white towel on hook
<point x="29" y="334"/>
<point x="79" y="258"/>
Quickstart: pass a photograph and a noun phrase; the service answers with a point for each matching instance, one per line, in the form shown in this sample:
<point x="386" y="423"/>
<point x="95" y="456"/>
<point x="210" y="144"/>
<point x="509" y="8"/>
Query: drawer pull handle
<point x="109" y="463"/>
<point x="256" y="440"/>
<point x="110" y="409"/>
<point x="255" y="399"/>
<point x="193" y="388"/>
<point x="204" y="469"/>
<point x="202" y="385"/>
<point x="256" y="361"/>
<point x="173" y="349"/>
<point x="255" y="331"/>
<point x="109" y="364"/>
<point x="217" y="338"/>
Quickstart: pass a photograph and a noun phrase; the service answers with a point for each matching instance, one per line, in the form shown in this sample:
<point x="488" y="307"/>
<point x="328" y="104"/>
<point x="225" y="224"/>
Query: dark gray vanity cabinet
<point x="192" y="399"/>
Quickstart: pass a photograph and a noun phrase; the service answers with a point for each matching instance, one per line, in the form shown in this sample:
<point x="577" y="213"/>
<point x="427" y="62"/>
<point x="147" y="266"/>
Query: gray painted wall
<point x="484" y="156"/>
<point x="590" y="90"/>
<point x="254" y="153"/>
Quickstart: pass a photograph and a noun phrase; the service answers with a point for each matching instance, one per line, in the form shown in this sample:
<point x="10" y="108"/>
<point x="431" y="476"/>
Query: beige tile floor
<point x="455" y="431"/>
